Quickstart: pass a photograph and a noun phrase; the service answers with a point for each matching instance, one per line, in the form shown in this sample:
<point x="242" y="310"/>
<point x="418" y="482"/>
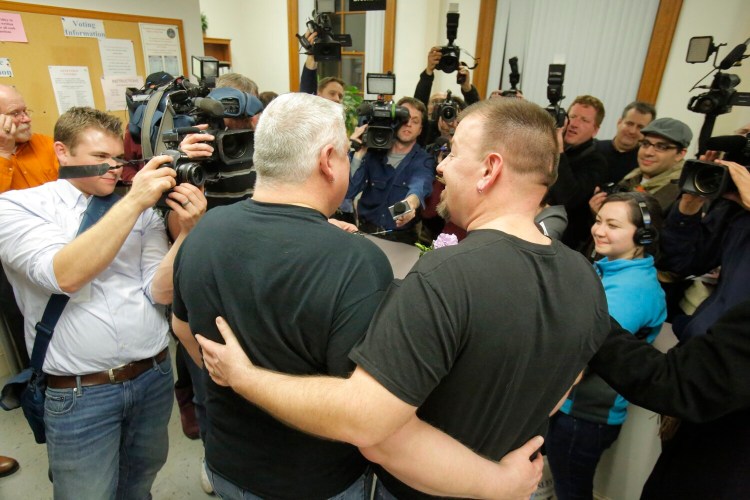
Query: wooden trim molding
<point x="389" y="37"/>
<point x="292" y="16"/>
<point x="665" y="25"/>
<point x="483" y="51"/>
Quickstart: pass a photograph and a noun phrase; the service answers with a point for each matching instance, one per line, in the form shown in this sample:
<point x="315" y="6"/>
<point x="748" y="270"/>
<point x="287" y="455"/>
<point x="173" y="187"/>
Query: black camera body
<point x="448" y="109"/>
<point x="383" y="120"/>
<point x="720" y="97"/>
<point x="188" y="170"/>
<point x="555" y="79"/>
<point x="231" y="147"/>
<point x="327" y="45"/>
<point x="449" y="60"/>
<point x="707" y="179"/>
<point x="614" y="188"/>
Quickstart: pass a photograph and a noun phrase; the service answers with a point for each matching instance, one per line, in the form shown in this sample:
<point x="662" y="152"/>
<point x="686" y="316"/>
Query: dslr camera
<point x="448" y="109"/>
<point x="327" y="45"/>
<point x="555" y="79"/>
<point x="614" y="188"/>
<point x="449" y="61"/>
<point x="383" y="118"/>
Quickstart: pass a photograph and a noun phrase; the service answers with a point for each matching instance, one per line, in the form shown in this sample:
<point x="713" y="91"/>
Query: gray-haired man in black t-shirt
<point x="480" y="340"/>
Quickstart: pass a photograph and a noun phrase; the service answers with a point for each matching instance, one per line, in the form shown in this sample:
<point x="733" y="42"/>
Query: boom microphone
<point x="734" y="56"/>
<point x="210" y="106"/>
<point x="365" y="108"/>
<point x="726" y="143"/>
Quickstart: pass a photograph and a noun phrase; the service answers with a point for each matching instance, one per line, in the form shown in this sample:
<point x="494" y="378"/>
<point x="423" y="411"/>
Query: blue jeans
<point x="574" y="447"/>
<point x="226" y="490"/>
<point x="198" y="378"/>
<point x="381" y="492"/>
<point x="109" y="441"/>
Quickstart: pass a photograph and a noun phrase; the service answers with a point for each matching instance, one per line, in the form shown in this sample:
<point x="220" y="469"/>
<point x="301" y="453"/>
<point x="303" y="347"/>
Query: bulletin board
<point x="48" y="46"/>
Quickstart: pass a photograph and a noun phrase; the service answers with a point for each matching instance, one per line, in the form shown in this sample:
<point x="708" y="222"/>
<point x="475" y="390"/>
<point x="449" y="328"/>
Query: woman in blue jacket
<point x="625" y="233"/>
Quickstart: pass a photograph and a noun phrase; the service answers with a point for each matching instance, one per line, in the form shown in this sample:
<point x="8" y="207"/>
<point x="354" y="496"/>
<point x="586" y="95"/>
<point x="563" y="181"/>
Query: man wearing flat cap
<point x="661" y="155"/>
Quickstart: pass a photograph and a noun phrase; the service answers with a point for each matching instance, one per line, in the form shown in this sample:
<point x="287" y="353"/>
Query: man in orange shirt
<point x="26" y="159"/>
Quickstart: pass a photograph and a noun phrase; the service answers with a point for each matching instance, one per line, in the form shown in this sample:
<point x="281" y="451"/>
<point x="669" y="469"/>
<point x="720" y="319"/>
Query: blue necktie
<point x="97" y="207"/>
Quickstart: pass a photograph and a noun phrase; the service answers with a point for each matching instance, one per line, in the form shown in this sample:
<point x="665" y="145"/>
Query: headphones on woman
<point x="646" y="235"/>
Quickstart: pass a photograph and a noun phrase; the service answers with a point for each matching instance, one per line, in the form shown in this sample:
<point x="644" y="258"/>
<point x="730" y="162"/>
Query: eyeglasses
<point x="659" y="146"/>
<point x="21" y="112"/>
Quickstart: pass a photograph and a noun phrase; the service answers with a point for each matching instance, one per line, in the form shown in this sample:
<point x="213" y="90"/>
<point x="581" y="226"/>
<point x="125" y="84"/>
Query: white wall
<point x="186" y="10"/>
<point x="728" y="21"/>
<point x="258" y="30"/>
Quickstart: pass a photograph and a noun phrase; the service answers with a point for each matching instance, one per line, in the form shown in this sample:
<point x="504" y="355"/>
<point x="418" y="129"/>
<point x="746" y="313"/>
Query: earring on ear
<point x="480" y="190"/>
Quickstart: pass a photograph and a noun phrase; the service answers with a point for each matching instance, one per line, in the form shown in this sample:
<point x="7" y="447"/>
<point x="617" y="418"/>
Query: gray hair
<point x="290" y="134"/>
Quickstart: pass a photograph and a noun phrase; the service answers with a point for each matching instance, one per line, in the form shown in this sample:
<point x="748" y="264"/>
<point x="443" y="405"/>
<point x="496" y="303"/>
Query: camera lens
<point x="709" y="178"/>
<point x="192" y="173"/>
<point x="448" y="112"/>
<point x="234" y="146"/>
<point x="379" y="137"/>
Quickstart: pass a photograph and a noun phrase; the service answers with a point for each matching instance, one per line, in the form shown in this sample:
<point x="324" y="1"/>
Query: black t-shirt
<point x="298" y="293"/>
<point x="619" y="164"/>
<point x="485" y="338"/>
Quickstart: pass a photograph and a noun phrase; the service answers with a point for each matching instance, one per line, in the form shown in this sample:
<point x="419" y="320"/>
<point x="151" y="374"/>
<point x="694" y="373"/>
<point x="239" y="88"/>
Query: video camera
<point x="706" y="179"/>
<point x="555" y="79"/>
<point x="382" y="117"/>
<point x="712" y="179"/>
<point x="327" y="45"/>
<point x="721" y="95"/>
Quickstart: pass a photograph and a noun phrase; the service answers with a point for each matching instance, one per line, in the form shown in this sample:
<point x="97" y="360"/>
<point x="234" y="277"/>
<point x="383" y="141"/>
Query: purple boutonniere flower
<point x="443" y="240"/>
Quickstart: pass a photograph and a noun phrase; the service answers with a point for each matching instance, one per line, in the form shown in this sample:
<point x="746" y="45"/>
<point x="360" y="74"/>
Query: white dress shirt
<point x="109" y="322"/>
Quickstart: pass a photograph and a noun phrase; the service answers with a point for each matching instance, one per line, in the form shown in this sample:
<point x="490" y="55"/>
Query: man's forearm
<point x="162" y="286"/>
<point x="90" y="253"/>
<point x="325" y="406"/>
<point x="431" y="461"/>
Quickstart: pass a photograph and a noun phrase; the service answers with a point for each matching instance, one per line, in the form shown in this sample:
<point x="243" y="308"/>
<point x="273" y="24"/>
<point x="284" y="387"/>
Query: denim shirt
<point x="382" y="185"/>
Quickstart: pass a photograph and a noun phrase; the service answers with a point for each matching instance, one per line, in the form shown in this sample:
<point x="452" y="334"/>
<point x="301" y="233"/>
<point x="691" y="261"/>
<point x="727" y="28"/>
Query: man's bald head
<point x="13" y="105"/>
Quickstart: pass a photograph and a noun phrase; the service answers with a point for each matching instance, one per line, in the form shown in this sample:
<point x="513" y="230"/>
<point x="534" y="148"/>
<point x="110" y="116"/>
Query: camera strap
<point x="152" y="107"/>
<point x="78" y="171"/>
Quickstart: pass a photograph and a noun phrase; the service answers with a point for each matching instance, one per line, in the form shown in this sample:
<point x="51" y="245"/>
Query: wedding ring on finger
<point x="186" y="203"/>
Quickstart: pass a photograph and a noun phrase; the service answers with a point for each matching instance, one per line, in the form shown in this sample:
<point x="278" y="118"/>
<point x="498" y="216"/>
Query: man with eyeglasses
<point x="661" y="154"/>
<point x="26" y="159"/>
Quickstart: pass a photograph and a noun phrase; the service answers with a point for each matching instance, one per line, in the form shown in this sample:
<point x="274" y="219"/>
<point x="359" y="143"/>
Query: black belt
<point x="111" y="376"/>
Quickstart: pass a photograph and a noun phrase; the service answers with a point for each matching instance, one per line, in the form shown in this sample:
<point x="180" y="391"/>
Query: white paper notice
<point x="118" y="58"/>
<point x="72" y="87"/>
<point x="114" y="90"/>
<point x="161" y="48"/>
<point x="5" y="69"/>
<point x="85" y="28"/>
